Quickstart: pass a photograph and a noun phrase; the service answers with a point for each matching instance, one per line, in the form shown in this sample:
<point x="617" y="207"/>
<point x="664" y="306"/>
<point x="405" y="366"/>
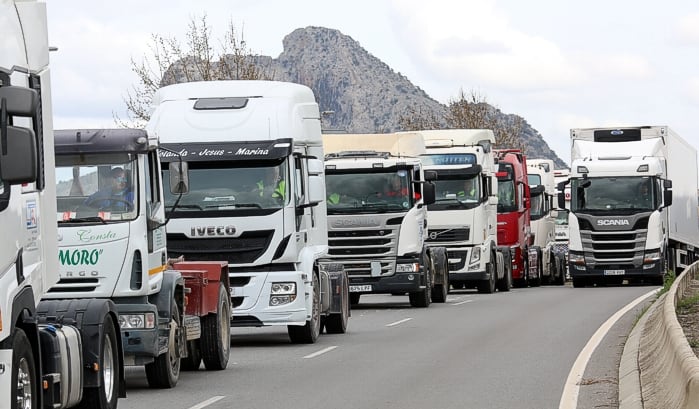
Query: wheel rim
<point x="315" y="319"/>
<point x="24" y="385"/>
<point x="224" y="320"/>
<point x="108" y="369"/>
<point x="173" y="344"/>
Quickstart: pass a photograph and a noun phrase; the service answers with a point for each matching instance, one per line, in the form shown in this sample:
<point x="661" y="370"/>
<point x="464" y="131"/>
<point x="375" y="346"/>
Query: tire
<point x="193" y="360"/>
<point x="337" y="323"/>
<point x="561" y="278"/>
<point x="23" y="373"/>
<point x="537" y="281"/>
<point x="105" y="396"/>
<point x="354" y="298"/>
<point x="440" y="291"/>
<point x="308" y="334"/>
<point x="506" y="283"/>
<point x="164" y="372"/>
<point x="423" y="298"/>
<point x="488" y="286"/>
<point x="215" y="339"/>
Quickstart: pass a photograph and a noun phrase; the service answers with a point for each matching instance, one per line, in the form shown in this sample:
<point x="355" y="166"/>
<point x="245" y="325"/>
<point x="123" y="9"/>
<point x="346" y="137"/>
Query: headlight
<point x="137" y="321"/>
<point x="283" y="288"/>
<point x="475" y="255"/>
<point x="651" y="256"/>
<point x="408" y="268"/>
<point x="578" y="259"/>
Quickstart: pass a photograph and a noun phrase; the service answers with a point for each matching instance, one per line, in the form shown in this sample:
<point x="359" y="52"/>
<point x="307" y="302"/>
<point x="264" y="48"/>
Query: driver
<point x="118" y="195"/>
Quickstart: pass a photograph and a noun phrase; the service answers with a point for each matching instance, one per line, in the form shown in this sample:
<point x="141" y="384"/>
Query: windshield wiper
<point x="187" y="206"/>
<point x="253" y="205"/>
<point x="90" y="219"/>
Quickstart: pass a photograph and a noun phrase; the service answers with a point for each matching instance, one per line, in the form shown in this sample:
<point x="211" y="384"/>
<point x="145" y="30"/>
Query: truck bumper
<point x="140" y="345"/>
<point x="647" y="271"/>
<point x="398" y="282"/>
<point x="251" y="295"/>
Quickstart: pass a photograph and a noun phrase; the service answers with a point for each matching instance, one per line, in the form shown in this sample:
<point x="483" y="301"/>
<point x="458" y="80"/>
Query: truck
<point x="541" y="179"/>
<point x="250" y="156"/>
<point x="633" y="207"/>
<point x="53" y="353"/>
<point x="463" y="218"/>
<point x="112" y="245"/>
<point x="514" y="217"/>
<point x="560" y="249"/>
<point x="380" y="235"/>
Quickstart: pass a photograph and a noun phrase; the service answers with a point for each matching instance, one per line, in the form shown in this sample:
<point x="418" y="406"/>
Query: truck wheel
<point x="308" y="334"/>
<point x="337" y="323"/>
<point x="193" y="360"/>
<point x="215" y="339"/>
<point x="506" y="283"/>
<point x="24" y="391"/>
<point x="561" y="277"/>
<point x="423" y="298"/>
<point x="354" y="298"/>
<point x="105" y="396"/>
<point x="164" y="372"/>
<point x="537" y="281"/>
<point x="488" y="286"/>
<point x="440" y="291"/>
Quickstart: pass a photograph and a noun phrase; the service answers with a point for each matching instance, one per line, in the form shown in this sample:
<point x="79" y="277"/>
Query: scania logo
<point x="355" y="223"/>
<point x="613" y="222"/>
<point x="202" y="231"/>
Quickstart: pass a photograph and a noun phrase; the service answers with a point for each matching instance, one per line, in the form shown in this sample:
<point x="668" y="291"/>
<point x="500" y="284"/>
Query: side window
<point x="299" y="181"/>
<point x="152" y="179"/>
<point x="520" y="195"/>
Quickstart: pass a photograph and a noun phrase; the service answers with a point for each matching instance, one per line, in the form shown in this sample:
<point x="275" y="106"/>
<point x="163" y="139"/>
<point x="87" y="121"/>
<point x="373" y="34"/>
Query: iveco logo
<point x="212" y="231"/>
<point x="612" y="222"/>
<point x="355" y="223"/>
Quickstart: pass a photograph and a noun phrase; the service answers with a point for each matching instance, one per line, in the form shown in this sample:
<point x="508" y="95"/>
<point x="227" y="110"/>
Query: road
<point x="503" y="350"/>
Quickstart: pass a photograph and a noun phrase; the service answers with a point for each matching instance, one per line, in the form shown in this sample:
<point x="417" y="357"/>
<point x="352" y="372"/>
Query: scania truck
<point x="377" y="216"/>
<point x="253" y="185"/>
<point x="464" y="216"/>
<point x="53" y="353"/>
<point x="633" y="208"/>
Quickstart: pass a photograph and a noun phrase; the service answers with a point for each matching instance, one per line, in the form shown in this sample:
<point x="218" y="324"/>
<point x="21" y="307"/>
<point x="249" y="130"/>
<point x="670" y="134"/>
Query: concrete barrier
<point x="667" y="370"/>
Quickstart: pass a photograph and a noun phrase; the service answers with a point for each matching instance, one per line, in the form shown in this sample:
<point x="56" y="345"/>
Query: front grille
<point x="448" y="235"/>
<point x="457" y="254"/>
<point x="69" y="285"/>
<point x="356" y="248"/>
<point x="246" y="248"/>
<point x="614" y="249"/>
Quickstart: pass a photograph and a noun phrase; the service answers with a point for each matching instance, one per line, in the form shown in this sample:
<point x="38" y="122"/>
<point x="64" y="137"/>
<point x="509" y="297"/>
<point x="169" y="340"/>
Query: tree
<point x="470" y="111"/>
<point x="170" y="63"/>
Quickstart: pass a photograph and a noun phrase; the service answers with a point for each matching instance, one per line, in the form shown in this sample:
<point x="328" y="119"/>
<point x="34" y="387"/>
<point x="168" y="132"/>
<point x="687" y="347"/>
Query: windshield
<point x="533" y="180"/>
<point x="96" y="187"/>
<point x="506" y="196"/>
<point x="228" y="185"/>
<point x="456" y="191"/>
<point x="360" y="192"/>
<point x="624" y="194"/>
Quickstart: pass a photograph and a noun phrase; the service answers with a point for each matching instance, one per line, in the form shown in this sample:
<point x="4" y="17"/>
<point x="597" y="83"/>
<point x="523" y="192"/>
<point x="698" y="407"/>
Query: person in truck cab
<point x="117" y="196"/>
<point x="469" y="190"/>
<point x="395" y="187"/>
<point x="272" y="185"/>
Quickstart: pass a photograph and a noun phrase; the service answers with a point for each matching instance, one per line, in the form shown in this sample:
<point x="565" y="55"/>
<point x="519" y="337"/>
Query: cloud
<point x="474" y="42"/>
<point x="692" y="89"/>
<point x="617" y="66"/>
<point x="687" y="29"/>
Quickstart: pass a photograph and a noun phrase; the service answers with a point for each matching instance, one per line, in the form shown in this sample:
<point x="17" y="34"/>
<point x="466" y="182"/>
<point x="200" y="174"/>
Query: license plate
<point x="359" y="288"/>
<point x="614" y="272"/>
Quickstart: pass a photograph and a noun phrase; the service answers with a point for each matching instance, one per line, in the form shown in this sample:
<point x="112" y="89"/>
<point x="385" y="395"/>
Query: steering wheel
<point x="94" y="203"/>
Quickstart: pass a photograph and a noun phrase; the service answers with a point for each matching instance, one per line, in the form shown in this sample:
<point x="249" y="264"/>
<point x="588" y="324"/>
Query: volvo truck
<point x="541" y="179"/>
<point x="112" y="245"/>
<point x="53" y="353"/>
<point x="514" y="217"/>
<point x="633" y="206"/>
<point x="463" y="217"/>
<point x="378" y="191"/>
<point x="253" y="194"/>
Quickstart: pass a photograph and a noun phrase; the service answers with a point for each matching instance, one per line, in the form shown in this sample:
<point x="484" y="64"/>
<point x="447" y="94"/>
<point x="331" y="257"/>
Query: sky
<point x="558" y="64"/>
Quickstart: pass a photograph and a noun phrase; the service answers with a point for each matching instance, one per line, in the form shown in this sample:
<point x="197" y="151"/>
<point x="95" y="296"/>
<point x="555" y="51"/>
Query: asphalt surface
<point x="502" y="350"/>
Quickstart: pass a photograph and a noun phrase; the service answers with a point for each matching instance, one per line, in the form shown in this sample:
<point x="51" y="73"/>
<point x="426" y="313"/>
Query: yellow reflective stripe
<point x="156" y="270"/>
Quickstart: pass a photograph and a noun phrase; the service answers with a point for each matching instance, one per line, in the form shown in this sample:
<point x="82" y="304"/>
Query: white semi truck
<point x="377" y="216"/>
<point x="464" y="216"/>
<point x="633" y="207"/>
<point x="111" y="229"/>
<point x="560" y="249"/>
<point x="53" y="353"/>
<point x="254" y="195"/>
<point x="542" y="184"/>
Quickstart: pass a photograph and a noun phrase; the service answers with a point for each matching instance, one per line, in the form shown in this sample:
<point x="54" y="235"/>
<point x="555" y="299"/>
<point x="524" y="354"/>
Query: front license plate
<point x="359" y="288"/>
<point x="614" y="272"/>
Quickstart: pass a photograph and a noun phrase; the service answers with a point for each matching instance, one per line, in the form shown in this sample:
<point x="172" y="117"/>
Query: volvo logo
<point x="355" y="223"/>
<point x="612" y="222"/>
<point x="202" y="231"/>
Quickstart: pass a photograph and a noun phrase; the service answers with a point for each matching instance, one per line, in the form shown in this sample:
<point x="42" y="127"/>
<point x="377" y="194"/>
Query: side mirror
<point x="492" y="200"/>
<point x="18" y="156"/>
<point x="667" y="193"/>
<point x="315" y="167"/>
<point x="430" y="175"/>
<point x="428" y="193"/>
<point x="316" y="189"/>
<point x="179" y="177"/>
<point x="561" y="187"/>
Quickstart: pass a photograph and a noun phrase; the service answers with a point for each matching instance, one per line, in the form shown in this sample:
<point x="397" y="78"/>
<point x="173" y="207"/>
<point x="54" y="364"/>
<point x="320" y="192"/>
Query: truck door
<point x="155" y="212"/>
<point x="299" y="196"/>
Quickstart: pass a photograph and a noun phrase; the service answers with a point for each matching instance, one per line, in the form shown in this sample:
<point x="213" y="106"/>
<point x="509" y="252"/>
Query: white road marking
<point x="393" y="324"/>
<point x="569" y="398"/>
<point x="321" y="352"/>
<point x="207" y="402"/>
<point x="462" y="302"/>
